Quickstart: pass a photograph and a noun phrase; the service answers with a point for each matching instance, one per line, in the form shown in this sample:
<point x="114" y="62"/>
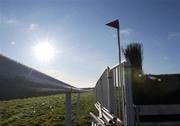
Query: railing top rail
<point x="113" y="67"/>
<point x="102" y="75"/>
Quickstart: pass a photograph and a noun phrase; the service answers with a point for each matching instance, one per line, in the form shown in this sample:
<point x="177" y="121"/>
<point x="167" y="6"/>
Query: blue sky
<point x="84" y="45"/>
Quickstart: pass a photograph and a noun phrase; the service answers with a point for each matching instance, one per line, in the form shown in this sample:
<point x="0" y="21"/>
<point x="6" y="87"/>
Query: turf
<point x="45" y="111"/>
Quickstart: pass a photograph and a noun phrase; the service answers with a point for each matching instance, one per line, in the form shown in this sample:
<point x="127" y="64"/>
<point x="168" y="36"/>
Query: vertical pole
<point x="119" y="46"/>
<point x="130" y="117"/>
<point x="115" y="93"/>
<point x="120" y="75"/>
<point x="77" y="107"/>
<point x="111" y="92"/>
<point x="119" y="93"/>
<point x="68" y="109"/>
<point x="108" y="90"/>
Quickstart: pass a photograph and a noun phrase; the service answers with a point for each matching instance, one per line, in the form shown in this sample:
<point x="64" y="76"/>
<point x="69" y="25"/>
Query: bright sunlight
<point x="44" y="51"/>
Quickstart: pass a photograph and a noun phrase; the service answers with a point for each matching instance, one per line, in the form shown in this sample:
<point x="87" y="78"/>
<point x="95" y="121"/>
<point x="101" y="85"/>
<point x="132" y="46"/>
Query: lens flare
<point x="44" y="51"/>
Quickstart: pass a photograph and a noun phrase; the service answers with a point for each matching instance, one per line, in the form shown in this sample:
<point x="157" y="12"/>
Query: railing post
<point x="108" y="90"/>
<point x="77" y="108"/>
<point x="111" y="93"/>
<point x="115" y="92"/>
<point x="129" y="108"/>
<point x="68" y="109"/>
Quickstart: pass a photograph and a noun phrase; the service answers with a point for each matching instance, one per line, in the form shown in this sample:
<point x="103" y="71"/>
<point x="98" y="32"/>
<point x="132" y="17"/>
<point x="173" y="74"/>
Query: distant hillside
<point x="158" y="89"/>
<point x="19" y="81"/>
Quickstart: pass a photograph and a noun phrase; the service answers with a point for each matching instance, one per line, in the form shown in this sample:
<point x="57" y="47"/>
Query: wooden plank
<point x="160" y="124"/>
<point x="158" y="109"/>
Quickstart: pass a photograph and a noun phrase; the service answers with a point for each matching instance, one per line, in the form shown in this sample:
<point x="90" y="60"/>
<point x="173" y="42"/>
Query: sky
<point x="83" y="46"/>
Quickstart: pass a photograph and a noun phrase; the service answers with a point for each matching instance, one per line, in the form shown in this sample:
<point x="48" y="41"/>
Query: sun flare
<point x="44" y="51"/>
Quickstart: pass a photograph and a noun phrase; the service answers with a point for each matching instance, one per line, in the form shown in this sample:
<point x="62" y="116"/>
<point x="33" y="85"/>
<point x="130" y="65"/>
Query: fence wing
<point x="107" y="90"/>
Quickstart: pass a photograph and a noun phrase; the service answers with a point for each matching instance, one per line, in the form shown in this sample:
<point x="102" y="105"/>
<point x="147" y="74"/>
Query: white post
<point x="77" y="107"/>
<point x="68" y="109"/>
<point x="129" y="108"/>
<point x="111" y="93"/>
<point x="108" y="90"/>
<point x="115" y="93"/>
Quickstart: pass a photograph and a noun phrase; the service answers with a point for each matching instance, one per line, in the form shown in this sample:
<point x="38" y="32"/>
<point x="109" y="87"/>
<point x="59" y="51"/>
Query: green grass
<point x="45" y="111"/>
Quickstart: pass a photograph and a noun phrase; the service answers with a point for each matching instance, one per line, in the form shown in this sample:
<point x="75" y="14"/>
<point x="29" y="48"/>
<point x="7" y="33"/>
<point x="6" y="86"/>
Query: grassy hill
<point x="44" y="111"/>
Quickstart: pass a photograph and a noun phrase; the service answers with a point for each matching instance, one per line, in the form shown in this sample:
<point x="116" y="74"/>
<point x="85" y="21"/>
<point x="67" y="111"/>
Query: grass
<point x="45" y="111"/>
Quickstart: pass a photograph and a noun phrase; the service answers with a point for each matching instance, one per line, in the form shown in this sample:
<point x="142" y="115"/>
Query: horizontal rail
<point x="104" y="110"/>
<point x="158" y="109"/>
<point x="117" y="65"/>
<point x="105" y="114"/>
<point x="99" y="121"/>
<point x="160" y="124"/>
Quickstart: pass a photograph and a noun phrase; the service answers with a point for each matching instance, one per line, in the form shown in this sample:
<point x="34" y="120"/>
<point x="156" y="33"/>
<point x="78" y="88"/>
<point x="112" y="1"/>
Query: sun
<point x="44" y="51"/>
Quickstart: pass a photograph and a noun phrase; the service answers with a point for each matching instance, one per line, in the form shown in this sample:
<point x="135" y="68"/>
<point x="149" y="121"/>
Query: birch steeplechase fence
<point x="114" y="102"/>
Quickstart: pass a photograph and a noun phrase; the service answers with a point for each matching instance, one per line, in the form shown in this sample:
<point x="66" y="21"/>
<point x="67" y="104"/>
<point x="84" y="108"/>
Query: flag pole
<point x="115" y="24"/>
<point x="119" y="46"/>
<point x="120" y="77"/>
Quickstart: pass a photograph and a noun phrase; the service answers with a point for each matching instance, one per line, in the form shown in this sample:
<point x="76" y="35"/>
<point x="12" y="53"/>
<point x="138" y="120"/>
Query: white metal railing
<point x="114" y="99"/>
<point x="113" y="90"/>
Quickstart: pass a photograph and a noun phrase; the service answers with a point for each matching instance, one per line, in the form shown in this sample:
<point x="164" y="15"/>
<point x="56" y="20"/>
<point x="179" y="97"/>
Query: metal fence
<point x="114" y="96"/>
<point x="106" y="91"/>
<point x="112" y="93"/>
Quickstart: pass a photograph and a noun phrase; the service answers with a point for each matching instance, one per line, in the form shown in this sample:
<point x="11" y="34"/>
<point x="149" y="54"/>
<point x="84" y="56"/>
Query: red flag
<point x="114" y="24"/>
